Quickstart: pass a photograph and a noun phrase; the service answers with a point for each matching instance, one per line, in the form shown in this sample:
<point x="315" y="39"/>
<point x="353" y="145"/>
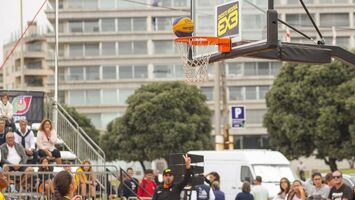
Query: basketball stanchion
<point x="195" y="52"/>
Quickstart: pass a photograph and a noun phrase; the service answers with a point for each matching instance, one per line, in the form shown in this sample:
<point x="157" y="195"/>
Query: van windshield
<point x="273" y="173"/>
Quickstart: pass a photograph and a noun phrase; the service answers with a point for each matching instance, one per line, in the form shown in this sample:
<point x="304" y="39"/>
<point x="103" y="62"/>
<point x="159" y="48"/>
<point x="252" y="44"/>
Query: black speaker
<point x="177" y="164"/>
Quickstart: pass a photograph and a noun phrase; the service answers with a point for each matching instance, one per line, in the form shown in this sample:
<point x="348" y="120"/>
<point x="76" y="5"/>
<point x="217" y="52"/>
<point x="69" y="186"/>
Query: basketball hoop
<point x="195" y="52"/>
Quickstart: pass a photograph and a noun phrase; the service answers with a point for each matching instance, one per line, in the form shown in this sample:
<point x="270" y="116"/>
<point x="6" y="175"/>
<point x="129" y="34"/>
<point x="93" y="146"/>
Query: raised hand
<point x="187" y="161"/>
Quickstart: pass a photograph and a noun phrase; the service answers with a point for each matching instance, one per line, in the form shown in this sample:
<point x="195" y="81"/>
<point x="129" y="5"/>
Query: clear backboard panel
<point x="252" y="26"/>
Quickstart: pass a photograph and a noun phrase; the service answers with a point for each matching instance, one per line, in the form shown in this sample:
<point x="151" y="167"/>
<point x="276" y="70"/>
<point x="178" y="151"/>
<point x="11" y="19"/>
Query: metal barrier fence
<point x="74" y="137"/>
<point x="34" y="183"/>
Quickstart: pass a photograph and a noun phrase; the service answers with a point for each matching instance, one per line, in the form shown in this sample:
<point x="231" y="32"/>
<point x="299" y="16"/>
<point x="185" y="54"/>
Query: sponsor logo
<point x="21" y="104"/>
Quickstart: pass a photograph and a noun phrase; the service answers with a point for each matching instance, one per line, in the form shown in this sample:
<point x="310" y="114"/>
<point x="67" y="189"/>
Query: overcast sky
<point x="10" y="18"/>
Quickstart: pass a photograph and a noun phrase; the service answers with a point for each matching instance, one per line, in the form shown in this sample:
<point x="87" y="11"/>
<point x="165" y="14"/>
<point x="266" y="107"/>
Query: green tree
<point x="311" y="110"/>
<point x="84" y="122"/>
<point x="161" y="118"/>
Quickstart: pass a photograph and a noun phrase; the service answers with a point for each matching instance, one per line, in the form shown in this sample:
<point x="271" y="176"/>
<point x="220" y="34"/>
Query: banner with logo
<point x="228" y="17"/>
<point x="26" y="105"/>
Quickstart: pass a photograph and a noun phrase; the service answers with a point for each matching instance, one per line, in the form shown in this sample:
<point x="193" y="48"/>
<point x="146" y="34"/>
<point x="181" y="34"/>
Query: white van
<point x="236" y="166"/>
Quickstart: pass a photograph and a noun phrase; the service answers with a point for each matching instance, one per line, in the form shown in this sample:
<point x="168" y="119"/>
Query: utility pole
<point x="227" y="140"/>
<point x="22" y="61"/>
<point x="55" y="113"/>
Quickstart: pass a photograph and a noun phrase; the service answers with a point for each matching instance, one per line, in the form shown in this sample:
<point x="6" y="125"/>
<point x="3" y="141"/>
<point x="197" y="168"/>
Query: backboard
<point x="257" y="32"/>
<point x="244" y="21"/>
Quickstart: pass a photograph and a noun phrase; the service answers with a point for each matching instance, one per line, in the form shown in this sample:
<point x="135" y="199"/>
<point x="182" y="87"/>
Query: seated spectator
<point x="3" y="131"/>
<point x="67" y="167"/>
<point x="44" y="182"/>
<point x="26" y="138"/>
<point x="129" y="186"/>
<point x="147" y="186"/>
<point x="46" y="139"/>
<point x="6" y="112"/>
<point x="85" y="179"/>
<point x="28" y="181"/>
<point x="13" y="153"/>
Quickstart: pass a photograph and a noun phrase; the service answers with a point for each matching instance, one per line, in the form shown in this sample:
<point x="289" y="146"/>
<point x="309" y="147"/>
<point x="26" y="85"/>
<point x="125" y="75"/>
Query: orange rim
<point x="224" y="44"/>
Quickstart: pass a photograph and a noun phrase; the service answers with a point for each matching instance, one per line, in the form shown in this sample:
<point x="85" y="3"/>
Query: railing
<point x="123" y="175"/>
<point x="75" y="138"/>
<point x="36" y="184"/>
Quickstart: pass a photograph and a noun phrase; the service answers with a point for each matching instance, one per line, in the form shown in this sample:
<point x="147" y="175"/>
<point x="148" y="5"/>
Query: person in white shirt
<point x="26" y="138"/>
<point x="259" y="192"/>
<point x="13" y="153"/>
<point x="6" y="111"/>
<point x="46" y="140"/>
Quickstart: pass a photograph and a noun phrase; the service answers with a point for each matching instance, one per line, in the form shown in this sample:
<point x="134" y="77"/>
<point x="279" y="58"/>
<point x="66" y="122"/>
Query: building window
<point x="92" y="49"/>
<point x="108" y="48"/>
<point x="334" y="19"/>
<point x="250" y="69"/>
<point x="275" y="68"/>
<point x="95" y="118"/>
<point x="109" y="96"/>
<point x="133" y="4"/>
<point x="75" y="4"/>
<point x="108" y="25"/>
<point x="124" y="24"/>
<point x="140" y="72"/>
<point x="262" y="91"/>
<point x="93" y="97"/>
<point x="162" y="23"/>
<point x="107" y="4"/>
<point x="76" y="73"/>
<point x="90" y="4"/>
<point x="125" y="48"/>
<point x="163" y="71"/>
<point x="208" y="91"/>
<point x="76" y="50"/>
<point x="124" y="94"/>
<point x="33" y="81"/>
<point x="76" y="26"/>
<point x="107" y="118"/>
<point x="250" y="93"/>
<point x="299" y="19"/>
<point x="251" y="142"/>
<point x="139" y="24"/>
<point x="263" y="69"/>
<point x="236" y="93"/>
<point x="93" y="73"/>
<point x="340" y="41"/>
<point x="164" y="47"/>
<point x="34" y="46"/>
<point x="125" y="72"/>
<point x="109" y="72"/>
<point x="135" y="24"/>
<point x="91" y="26"/>
<point x="76" y="97"/>
<point x="140" y="47"/>
<point x="235" y="69"/>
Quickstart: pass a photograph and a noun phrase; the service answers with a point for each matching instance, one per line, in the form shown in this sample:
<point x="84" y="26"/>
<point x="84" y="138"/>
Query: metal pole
<point x="22" y="61"/>
<point x="217" y="107"/>
<point x="271" y="4"/>
<point x="55" y="117"/>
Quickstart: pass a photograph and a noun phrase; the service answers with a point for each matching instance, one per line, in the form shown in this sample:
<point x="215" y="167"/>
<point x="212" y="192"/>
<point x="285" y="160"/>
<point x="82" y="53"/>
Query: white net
<point x="195" y="59"/>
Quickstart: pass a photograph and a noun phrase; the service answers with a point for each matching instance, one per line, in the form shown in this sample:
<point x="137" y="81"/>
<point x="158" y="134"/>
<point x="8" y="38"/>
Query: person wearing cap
<point x="169" y="190"/>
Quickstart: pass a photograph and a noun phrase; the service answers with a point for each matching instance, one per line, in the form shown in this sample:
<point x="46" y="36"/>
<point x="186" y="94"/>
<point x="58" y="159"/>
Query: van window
<point x="245" y="174"/>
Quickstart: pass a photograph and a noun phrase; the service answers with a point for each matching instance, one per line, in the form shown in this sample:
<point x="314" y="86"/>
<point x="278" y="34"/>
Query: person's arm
<point x="303" y="193"/>
<point x="140" y="190"/>
<point x="22" y="153"/>
<point x="53" y="139"/>
<point x="32" y="141"/>
<point x="9" y="114"/>
<point x="187" y="176"/>
<point x="3" y="157"/>
<point x="212" y="197"/>
<point x="155" y="195"/>
<point x="40" y="140"/>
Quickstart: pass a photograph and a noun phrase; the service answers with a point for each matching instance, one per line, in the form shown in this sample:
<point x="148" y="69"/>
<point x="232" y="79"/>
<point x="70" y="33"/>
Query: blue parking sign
<point x="238" y="116"/>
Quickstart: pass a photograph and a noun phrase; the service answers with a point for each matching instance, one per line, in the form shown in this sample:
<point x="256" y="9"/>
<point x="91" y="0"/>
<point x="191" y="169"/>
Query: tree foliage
<point x="85" y="123"/>
<point x="311" y="110"/>
<point x="161" y="118"/>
